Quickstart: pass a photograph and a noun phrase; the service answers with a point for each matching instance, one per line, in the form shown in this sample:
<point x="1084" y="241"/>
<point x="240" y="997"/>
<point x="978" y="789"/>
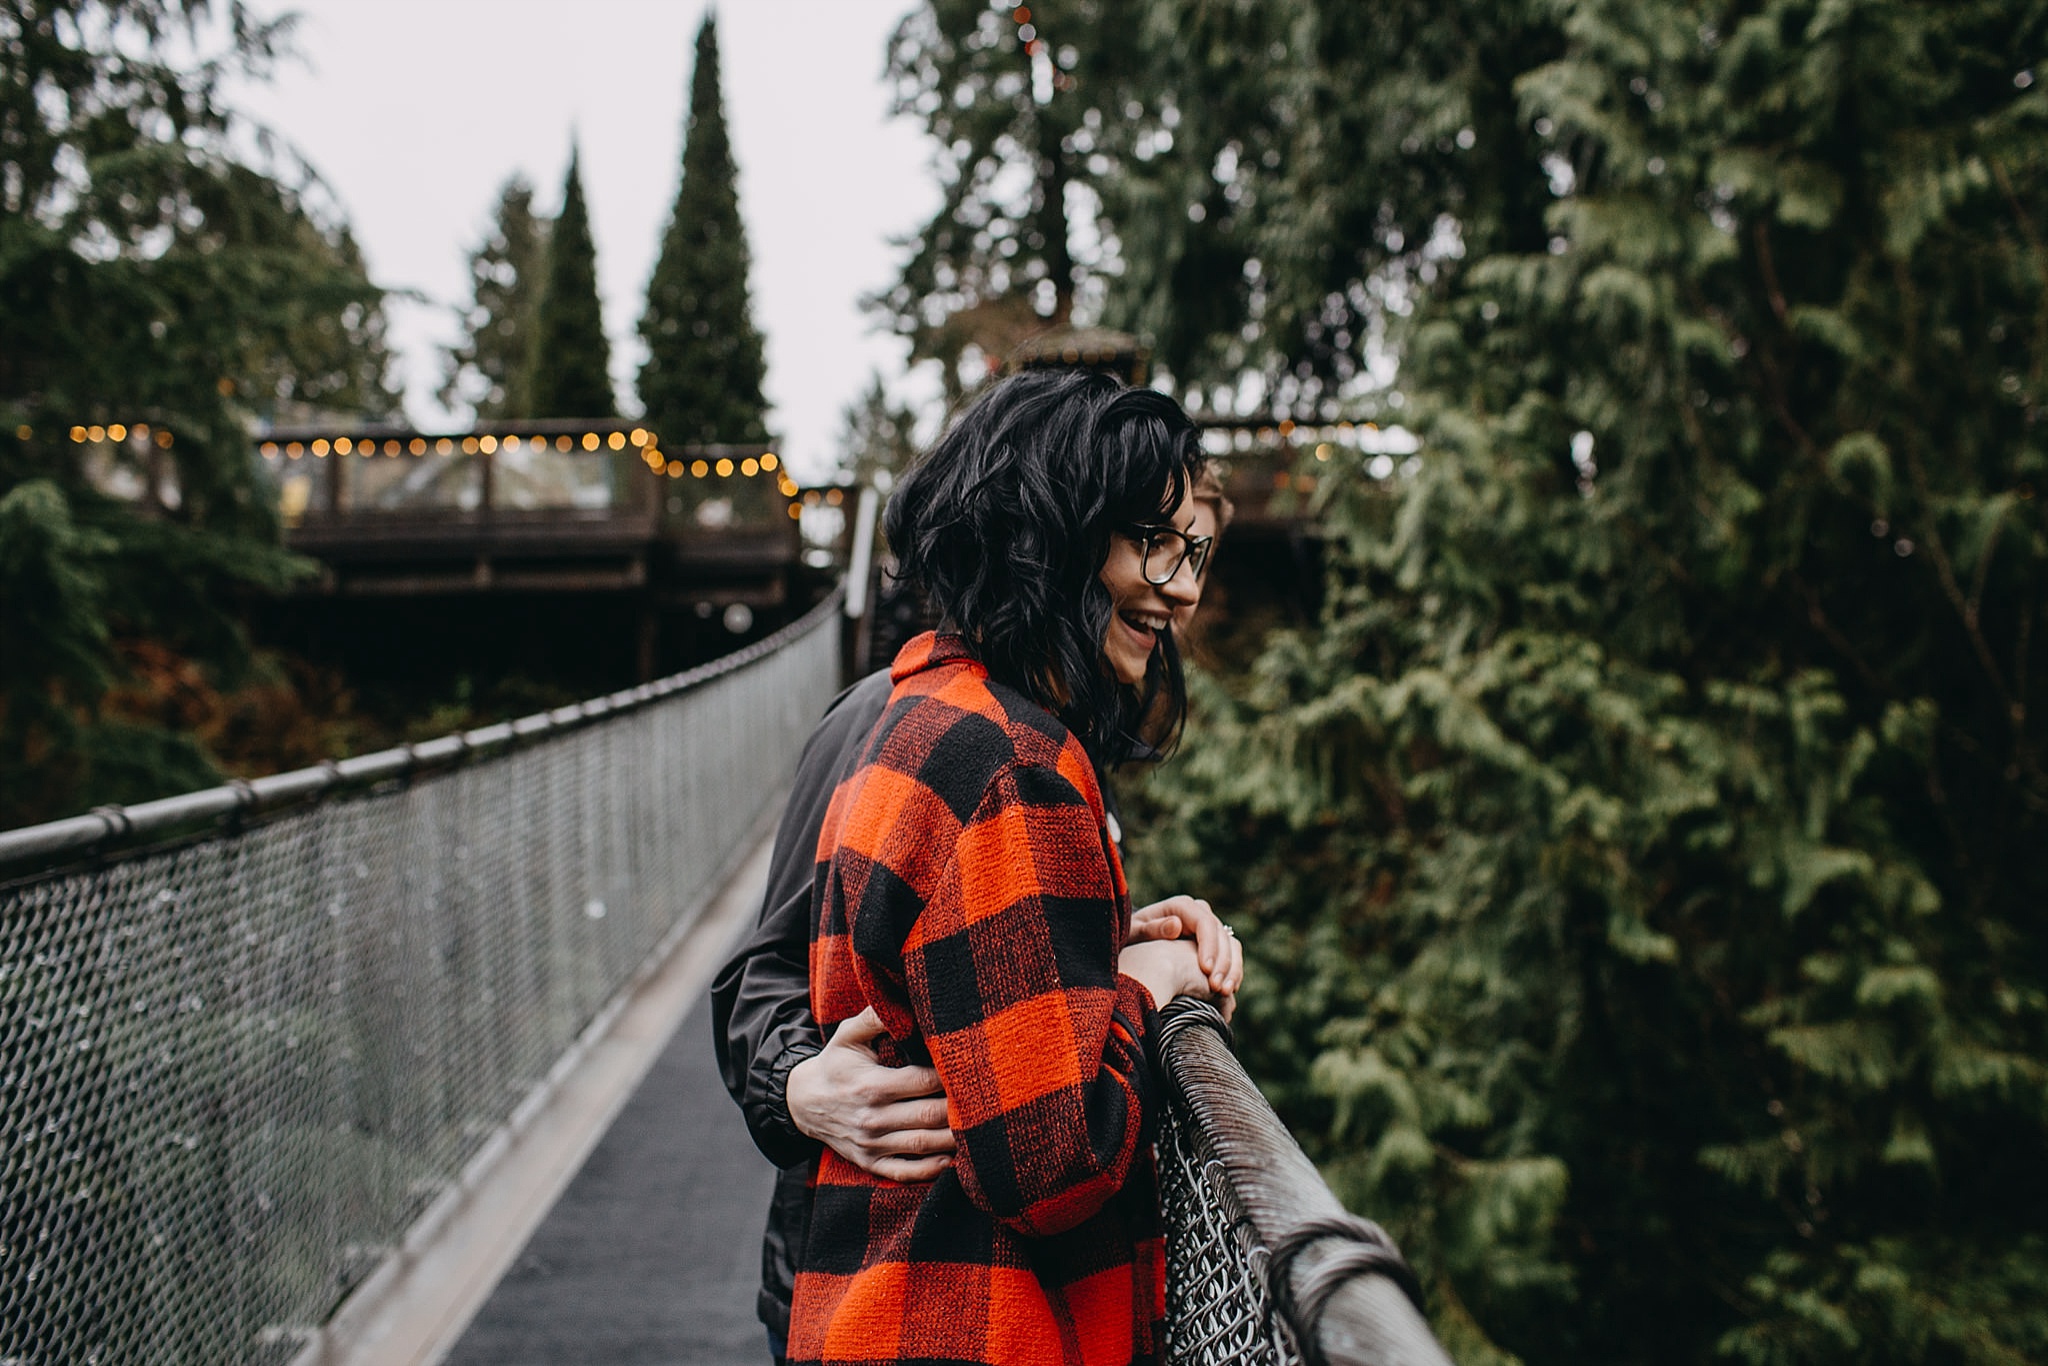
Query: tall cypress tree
<point x="571" y="360"/>
<point x="492" y="366"/>
<point x="704" y="368"/>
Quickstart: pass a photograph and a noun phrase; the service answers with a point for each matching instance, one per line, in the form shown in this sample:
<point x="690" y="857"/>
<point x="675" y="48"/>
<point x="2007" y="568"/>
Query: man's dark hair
<point x="1005" y="527"/>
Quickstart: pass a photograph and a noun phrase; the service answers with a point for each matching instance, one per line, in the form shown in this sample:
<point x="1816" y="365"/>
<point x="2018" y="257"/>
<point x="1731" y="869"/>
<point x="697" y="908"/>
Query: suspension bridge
<point x="403" y="1059"/>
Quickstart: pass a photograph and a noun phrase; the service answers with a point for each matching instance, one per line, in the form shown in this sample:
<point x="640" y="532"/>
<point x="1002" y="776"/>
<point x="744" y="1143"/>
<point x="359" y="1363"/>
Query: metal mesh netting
<point x="233" y="1072"/>
<point x="1218" y="1309"/>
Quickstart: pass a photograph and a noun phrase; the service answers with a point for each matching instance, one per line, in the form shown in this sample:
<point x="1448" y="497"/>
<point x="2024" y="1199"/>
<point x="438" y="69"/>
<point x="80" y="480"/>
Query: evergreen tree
<point x="1640" y="856"/>
<point x="702" y="378"/>
<point x="570" y="365"/>
<point x="162" y="288"/>
<point x="879" y="439"/>
<point x="1031" y="111"/>
<point x="491" y="368"/>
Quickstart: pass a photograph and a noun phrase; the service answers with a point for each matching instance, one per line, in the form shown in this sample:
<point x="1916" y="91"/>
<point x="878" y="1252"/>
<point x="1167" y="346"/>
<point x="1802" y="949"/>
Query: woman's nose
<point x="1185" y="586"/>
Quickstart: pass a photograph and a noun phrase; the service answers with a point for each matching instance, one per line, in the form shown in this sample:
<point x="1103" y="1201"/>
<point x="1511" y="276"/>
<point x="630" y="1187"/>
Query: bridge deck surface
<point x="653" y="1253"/>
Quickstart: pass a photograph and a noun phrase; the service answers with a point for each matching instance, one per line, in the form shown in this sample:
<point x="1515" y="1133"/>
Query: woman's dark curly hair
<point x="1005" y="527"/>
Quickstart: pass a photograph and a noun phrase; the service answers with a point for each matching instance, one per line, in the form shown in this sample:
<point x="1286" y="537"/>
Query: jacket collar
<point x="929" y="651"/>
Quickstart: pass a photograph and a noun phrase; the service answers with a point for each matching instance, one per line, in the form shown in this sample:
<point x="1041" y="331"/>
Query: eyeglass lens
<point x="1166" y="549"/>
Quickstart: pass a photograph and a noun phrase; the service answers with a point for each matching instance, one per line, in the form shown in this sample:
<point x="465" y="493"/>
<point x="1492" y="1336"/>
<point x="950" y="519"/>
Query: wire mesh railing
<point x="1263" y="1266"/>
<point x="236" y="1066"/>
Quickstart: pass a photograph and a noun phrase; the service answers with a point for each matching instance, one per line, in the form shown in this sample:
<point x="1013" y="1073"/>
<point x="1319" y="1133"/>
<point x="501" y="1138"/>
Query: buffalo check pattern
<point x="967" y="889"/>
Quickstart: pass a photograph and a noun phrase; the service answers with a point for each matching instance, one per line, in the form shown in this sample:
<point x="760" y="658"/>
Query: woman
<point x="970" y="894"/>
<point x="799" y="1090"/>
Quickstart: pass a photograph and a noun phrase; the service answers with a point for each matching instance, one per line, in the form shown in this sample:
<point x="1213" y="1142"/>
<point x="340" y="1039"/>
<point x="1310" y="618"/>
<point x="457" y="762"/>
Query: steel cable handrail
<point x="1264" y="1266"/>
<point x="105" y="825"/>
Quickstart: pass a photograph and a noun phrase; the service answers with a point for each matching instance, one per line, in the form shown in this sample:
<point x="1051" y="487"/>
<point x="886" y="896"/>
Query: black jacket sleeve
<point x="761" y="999"/>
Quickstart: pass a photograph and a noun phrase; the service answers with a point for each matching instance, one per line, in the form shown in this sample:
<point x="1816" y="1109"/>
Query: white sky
<point x="415" y="111"/>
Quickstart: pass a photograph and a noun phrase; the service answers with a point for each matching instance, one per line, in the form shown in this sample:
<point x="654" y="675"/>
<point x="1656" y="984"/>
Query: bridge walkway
<point x="652" y="1255"/>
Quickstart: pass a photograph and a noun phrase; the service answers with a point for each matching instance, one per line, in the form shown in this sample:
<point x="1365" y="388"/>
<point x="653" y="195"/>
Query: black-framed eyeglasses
<point x="1165" y="549"/>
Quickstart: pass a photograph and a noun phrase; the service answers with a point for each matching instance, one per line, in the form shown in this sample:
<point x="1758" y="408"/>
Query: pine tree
<point x="702" y="378"/>
<point x="163" y="288"/>
<point x="1031" y="111"/>
<point x="491" y="368"/>
<point x="1639" y="857"/>
<point x="878" y="441"/>
<point x="570" y="365"/>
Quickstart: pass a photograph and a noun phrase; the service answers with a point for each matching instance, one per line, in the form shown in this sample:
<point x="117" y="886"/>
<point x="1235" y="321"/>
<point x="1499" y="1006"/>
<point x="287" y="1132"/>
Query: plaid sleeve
<point x="1010" y="971"/>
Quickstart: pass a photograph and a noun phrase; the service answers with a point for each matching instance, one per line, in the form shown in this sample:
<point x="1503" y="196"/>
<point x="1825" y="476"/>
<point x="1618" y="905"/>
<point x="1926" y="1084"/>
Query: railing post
<point x="1341" y="1302"/>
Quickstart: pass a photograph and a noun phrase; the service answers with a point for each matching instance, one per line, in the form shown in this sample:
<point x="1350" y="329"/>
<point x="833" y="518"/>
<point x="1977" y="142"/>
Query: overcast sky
<point x="415" y="111"/>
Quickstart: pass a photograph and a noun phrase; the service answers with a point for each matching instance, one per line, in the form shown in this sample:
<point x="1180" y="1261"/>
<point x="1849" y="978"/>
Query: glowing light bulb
<point x="724" y="466"/>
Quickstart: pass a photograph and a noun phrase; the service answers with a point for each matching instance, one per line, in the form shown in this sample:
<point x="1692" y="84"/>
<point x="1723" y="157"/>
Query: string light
<point x="750" y="467"/>
<point x="724" y="466"/>
<point x="699" y="468"/>
<point x="617" y="441"/>
<point x="768" y="460"/>
<point x="590" y="441"/>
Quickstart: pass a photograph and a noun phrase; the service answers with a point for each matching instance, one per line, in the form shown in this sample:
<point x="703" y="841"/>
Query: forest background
<point x="1638" y="850"/>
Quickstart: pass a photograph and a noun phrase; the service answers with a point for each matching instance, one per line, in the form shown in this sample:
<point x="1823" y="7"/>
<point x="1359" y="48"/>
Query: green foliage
<point x="701" y="382"/>
<point x="879" y="437"/>
<point x="1640" y="858"/>
<point x="491" y="368"/>
<point x="154" y="278"/>
<point x="1029" y="120"/>
<point x="570" y="366"/>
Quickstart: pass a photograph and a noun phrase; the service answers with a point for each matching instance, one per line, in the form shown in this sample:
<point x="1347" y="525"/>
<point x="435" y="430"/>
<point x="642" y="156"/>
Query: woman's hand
<point x="1216" y="946"/>
<point x="888" y="1121"/>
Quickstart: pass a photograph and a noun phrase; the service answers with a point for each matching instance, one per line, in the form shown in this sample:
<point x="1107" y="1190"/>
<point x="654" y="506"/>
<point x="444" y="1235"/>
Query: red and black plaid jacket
<point x="969" y="892"/>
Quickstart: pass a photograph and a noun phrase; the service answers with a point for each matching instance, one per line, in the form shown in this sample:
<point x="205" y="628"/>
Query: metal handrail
<point x="1331" y="1282"/>
<point x="107" y="824"/>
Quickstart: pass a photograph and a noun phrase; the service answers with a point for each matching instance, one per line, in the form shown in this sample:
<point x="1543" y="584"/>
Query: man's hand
<point x="1216" y="946"/>
<point x="888" y="1121"/>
